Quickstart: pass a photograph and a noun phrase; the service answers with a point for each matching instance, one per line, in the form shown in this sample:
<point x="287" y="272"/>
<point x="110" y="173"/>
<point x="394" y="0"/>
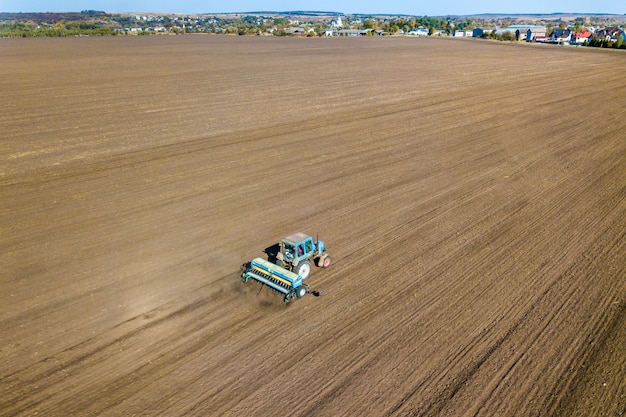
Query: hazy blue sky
<point x="417" y="8"/>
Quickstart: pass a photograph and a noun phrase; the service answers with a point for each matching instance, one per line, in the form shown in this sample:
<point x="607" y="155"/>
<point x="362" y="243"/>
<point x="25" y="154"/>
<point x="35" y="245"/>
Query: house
<point x="584" y="36"/>
<point x="608" y="34"/>
<point x="561" y="36"/>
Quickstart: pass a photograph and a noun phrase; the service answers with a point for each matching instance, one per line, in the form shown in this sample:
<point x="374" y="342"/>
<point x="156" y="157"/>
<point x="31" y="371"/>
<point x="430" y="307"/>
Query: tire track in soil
<point x="545" y="313"/>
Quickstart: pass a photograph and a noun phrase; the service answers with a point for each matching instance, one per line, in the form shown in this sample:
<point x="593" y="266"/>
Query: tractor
<point x="298" y="251"/>
<point x="288" y="265"/>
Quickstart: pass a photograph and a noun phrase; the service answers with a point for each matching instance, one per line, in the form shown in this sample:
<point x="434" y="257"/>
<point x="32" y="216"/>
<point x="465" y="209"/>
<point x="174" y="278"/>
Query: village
<point x="574" y="34"/>
<point x="561" y="29"/>
<point x="527" y="33"/>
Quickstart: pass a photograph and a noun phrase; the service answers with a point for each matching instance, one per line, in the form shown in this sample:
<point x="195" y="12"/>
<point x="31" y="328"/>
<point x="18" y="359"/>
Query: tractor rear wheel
<point x="303" y="269"/>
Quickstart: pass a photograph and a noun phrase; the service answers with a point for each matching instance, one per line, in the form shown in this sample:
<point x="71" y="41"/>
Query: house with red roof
<point x="582" y="37"/>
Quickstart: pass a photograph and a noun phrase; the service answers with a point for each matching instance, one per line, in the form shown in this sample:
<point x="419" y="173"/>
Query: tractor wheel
<point x="325" y="261"/>
<point x="300" y="291"/>
<point x="303" y="269"/>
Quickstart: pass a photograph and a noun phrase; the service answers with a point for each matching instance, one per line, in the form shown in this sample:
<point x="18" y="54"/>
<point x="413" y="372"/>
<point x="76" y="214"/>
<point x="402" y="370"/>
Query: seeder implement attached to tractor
<point x="275" y="277"/>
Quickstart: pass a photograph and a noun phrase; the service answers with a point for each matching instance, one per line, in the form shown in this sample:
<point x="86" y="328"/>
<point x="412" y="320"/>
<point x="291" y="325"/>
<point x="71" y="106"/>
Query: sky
<point x="403" y="7"/>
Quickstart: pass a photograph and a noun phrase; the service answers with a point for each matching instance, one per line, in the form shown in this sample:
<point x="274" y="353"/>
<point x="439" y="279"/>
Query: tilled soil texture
<point x="472" y="196"/>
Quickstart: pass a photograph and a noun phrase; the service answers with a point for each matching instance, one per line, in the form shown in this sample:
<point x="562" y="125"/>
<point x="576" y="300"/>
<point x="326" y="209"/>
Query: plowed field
<point x="472" y="196"/>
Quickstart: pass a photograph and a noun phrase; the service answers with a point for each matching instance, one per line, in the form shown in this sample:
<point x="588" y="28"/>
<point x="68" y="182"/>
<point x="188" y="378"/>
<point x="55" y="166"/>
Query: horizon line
<point x="333" y="13"/>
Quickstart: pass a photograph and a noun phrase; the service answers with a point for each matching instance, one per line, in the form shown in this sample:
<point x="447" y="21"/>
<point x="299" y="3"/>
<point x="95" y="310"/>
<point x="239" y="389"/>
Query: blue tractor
<point x="298" y="251"/>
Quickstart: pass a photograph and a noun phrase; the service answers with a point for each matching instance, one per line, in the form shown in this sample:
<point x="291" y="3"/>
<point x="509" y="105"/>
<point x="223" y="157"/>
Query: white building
<point x="418" y="32"/>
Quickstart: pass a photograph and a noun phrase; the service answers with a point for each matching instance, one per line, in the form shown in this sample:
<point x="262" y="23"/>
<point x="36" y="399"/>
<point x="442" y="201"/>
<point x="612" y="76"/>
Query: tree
<point x="508" y="36"/>
<point x="319" y="30"/>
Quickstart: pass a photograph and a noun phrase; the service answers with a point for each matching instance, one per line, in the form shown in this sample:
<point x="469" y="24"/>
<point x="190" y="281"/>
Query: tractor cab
<point x="297" y="247"/>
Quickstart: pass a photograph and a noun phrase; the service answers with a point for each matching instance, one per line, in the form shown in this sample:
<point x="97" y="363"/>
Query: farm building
<point x="526" y="33"/>
<point x="418" y="32"/>
<point x="463" y="33"/>
<point x="352" y="32"/>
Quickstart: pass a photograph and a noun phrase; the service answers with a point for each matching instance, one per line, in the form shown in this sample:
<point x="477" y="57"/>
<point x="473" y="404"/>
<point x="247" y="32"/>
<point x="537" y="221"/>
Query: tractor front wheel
<point x="324" y="261"/>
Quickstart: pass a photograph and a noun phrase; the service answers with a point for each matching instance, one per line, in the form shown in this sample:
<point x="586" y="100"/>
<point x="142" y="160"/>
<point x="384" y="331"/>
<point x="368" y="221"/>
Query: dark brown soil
<point x="471" y="194"/>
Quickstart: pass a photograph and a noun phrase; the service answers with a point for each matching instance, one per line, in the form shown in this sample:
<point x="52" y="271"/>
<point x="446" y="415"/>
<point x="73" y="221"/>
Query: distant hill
<point x="40" y="17"/>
